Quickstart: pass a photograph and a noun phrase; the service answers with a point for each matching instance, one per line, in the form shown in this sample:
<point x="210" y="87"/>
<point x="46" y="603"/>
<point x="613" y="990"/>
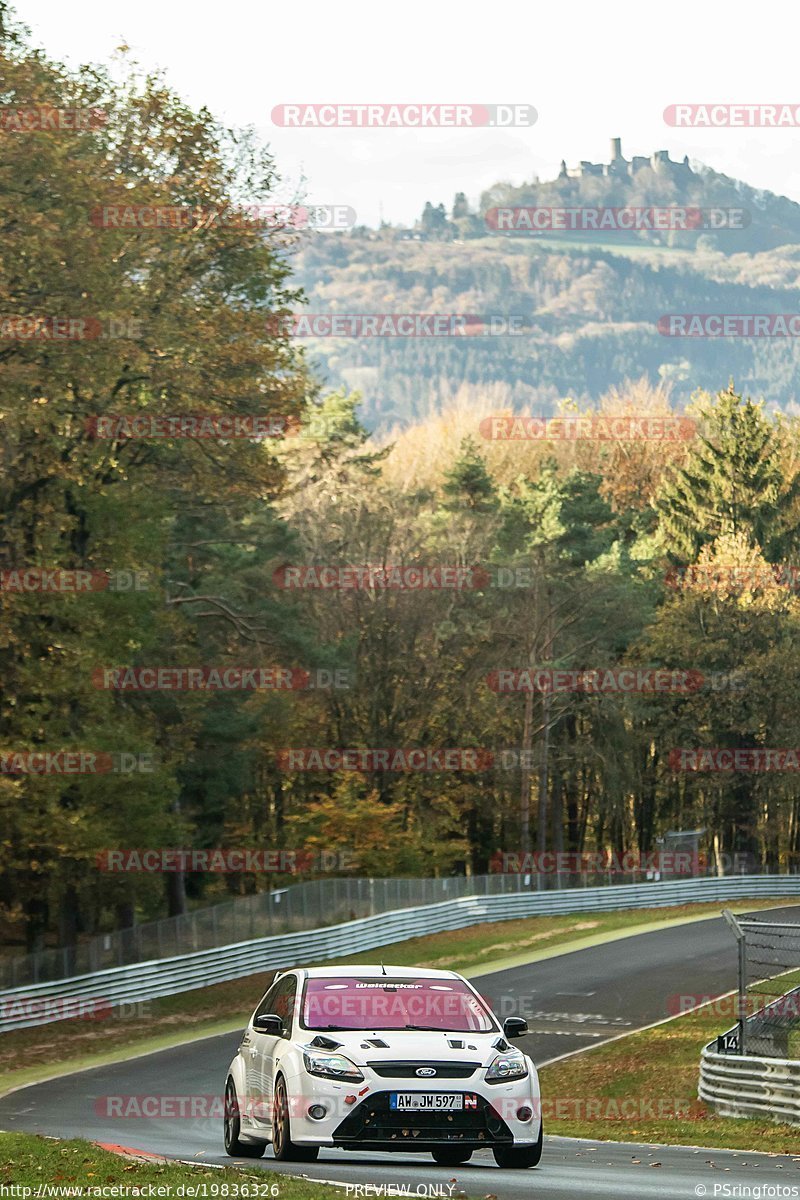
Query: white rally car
<point x="381" y="1058"/>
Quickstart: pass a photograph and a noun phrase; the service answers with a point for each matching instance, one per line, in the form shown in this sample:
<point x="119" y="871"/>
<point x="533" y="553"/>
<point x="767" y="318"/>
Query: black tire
<point x="232" y="1128"/>
<point x="283" y="1147"/>
<point x="451" y="1156"/>
<point x="518" y="1157"/>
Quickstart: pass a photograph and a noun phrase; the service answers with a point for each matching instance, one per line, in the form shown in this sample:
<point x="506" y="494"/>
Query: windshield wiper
<point x="430" y="1029"/>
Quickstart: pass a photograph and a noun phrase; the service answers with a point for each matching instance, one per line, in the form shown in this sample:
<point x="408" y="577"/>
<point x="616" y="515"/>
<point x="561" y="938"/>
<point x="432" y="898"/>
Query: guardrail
<point x="310" y="905"/>
<point x="739" y="1085"/>
<point x="42" y="1003"/>
<point x="751" y="1085"/>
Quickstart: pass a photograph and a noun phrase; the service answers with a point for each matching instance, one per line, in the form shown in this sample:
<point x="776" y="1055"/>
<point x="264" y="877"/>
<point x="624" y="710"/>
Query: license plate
<point x="425" y="1101"/>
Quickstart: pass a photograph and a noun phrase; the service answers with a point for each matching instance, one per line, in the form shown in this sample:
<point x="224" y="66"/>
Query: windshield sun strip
<point x="463" y="990"/>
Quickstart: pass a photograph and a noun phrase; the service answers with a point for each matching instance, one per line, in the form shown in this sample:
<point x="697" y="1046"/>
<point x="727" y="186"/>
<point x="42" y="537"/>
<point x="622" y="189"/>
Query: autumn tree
<point x="165" y="321"/>
<point x="733" y="481"/>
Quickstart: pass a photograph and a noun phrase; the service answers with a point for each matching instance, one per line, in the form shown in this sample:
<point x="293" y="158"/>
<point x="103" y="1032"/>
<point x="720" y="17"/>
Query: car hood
<point x="375" y="1046"/>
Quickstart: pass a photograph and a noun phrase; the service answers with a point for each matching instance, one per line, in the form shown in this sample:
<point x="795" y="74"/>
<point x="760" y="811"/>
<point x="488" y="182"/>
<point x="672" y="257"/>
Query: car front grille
<point x="373" y="1123"/>
<point x="408" y="1069"/>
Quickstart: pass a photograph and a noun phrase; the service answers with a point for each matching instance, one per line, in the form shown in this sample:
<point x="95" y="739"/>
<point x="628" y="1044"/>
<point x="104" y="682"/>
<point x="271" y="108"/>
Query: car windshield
<point x="445" y="1005"/>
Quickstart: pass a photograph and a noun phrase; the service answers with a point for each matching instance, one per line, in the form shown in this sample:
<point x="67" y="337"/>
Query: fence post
<point x="741" y="939"/>
<point x="743" y="993"/>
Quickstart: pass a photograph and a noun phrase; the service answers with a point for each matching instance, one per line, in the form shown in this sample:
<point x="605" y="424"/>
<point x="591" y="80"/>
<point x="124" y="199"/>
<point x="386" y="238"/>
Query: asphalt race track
<point x="572" y="1001"/>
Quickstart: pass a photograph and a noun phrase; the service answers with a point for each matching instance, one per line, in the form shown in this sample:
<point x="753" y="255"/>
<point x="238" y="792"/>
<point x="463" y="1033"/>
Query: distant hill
<point x="759" y="220"/>
<point x="590" y="304"/>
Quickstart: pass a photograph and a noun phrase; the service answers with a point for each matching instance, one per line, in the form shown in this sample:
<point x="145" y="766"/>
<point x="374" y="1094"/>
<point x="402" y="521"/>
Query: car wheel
<point x="232" y="1128"/>
<point x="519" y="1156"/>
<point x="283" y="1147"/>
<point x="451" y="1156"/>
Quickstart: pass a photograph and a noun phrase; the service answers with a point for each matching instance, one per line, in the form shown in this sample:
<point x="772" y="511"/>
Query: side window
<point x="266" y="1004"/>
<point x="283" y="999"/>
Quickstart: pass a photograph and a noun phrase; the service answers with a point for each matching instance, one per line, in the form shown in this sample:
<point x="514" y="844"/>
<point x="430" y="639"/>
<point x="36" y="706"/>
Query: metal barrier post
<point x="740" y="936"/>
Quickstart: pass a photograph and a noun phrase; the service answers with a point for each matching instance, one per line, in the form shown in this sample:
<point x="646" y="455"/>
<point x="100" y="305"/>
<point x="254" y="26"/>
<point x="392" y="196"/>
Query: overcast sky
<point x="591" y="70"/>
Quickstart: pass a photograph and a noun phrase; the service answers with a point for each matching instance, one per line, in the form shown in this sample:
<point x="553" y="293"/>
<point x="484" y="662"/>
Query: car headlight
<point x="511" y="1065"/>
<point x="331" y="1066"/>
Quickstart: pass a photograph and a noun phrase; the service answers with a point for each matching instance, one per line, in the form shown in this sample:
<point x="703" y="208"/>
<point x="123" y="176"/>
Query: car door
<point x="251" y="1050"/>
<point x="280" y="1000"/>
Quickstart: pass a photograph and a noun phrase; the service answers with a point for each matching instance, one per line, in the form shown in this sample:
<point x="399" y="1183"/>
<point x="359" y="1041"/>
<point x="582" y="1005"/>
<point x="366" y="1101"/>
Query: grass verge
<point x="27" y="1160"/>
<point x="643" y="1088"/>
<point x="64" y="1046"/>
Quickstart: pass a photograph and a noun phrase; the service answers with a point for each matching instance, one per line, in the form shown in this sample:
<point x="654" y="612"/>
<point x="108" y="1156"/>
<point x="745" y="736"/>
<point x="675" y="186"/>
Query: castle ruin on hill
<point x="659" y="161"/>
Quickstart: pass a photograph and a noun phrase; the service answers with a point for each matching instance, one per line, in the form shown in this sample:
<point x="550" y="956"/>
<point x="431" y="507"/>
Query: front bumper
<point x="490" y="1117"/>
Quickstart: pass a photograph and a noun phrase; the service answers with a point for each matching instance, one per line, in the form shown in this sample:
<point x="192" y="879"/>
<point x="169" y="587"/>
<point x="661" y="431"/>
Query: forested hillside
<point x="590" y="320"/>
<point x="204" y="551"/>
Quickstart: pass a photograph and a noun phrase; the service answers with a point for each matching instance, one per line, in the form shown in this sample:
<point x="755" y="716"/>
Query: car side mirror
<point x="514" y="1027"/>
<point x="268" y="1023"/>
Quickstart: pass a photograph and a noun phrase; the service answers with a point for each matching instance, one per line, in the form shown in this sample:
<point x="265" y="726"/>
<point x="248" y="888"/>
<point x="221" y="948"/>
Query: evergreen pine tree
<point x="732" y="483"/>
<point x="468" y="482"/>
